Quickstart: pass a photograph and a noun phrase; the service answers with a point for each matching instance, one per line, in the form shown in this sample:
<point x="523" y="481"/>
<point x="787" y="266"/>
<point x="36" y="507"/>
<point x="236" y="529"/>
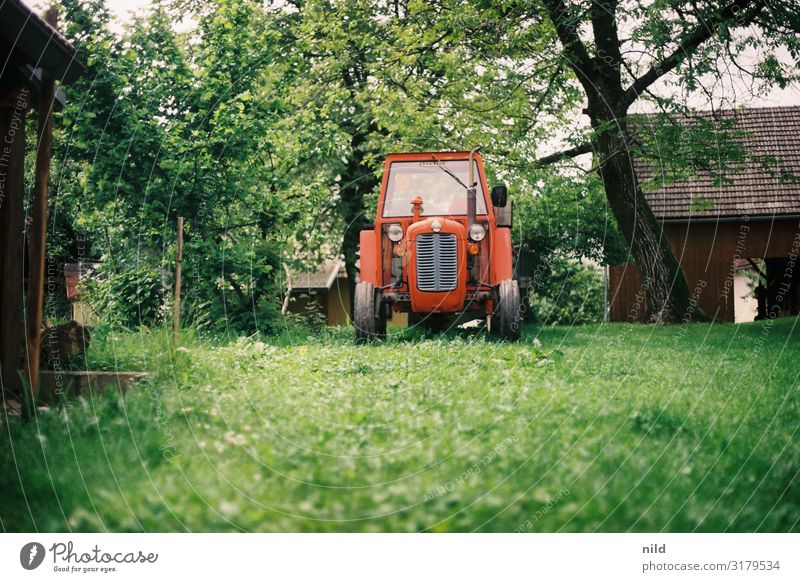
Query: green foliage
<point x="565" y="291"/>
<point x="565" y="223"/>
<point x="182" y="122"/>
<point x="265" y="126"/>
<point x="567" y="215"/>
<point x="126" y="297"/>
<point x="442" y="434"/>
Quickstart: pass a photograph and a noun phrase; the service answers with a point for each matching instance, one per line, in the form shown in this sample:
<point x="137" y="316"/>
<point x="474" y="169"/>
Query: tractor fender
<point x="369" y="257"/>
<point x="501" y="264"/>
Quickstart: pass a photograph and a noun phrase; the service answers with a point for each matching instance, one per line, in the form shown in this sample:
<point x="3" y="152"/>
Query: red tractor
<point x="440" y="248"/>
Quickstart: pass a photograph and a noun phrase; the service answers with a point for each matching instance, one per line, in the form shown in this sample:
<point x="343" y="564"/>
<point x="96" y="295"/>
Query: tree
<point x="174" y="124"/>
<point x="266" y="125"/>
<point x="684" y="38"/>
<point x="340" y="56"/>
<point x="372" y="78"/>
<point x="568" y="56"/>
<point x="217" y="152"/>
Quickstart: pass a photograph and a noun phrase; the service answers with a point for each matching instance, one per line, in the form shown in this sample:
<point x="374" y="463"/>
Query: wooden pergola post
<point x="14" y="106"/>
<point x="34" y="57"/>
<point x="38" y="234"/>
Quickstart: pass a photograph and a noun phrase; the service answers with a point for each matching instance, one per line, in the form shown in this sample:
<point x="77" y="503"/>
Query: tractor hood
<point x="437" y="265"/>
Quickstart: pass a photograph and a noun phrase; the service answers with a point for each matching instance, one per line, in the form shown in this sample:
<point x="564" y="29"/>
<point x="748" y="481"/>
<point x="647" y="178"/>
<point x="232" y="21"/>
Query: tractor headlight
<point x="477" y="232"/>
<point x="394" y="232"/>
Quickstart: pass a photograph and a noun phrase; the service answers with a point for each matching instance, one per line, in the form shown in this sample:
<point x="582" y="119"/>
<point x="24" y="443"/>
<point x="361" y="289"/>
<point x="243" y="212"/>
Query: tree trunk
<point x="357" y="181"/>
<point x="600" y="75"/>
<point x="662" y="277"/>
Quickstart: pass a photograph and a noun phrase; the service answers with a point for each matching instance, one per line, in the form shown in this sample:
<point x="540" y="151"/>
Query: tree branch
<point x="604" y="26"/>
<point x="519" y="84"/>
<point x="584" y="148"/>
<point x="691" y="41"/>
<point x="574" y="50"/>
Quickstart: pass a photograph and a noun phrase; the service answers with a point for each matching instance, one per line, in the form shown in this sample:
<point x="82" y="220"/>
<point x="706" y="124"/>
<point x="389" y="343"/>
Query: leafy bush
<point x="565" y="291"/>
<point x="566" y="221"/>
<point x="127" y="297"/>
<point x="568" y="216"/>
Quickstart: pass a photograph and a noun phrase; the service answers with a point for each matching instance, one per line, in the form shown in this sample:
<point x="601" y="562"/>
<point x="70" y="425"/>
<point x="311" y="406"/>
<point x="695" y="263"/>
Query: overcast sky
<point x="122" y="8"/>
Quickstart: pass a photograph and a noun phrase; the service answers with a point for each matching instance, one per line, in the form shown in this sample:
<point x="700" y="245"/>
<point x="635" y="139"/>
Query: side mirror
<point x="499" y="195"/>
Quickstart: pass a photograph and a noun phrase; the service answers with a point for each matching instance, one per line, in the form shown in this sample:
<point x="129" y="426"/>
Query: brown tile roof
<point x="322" y="277"/>
<point x="754" y="189"/>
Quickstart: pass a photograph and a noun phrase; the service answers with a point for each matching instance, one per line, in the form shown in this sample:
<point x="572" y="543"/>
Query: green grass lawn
<point x="595" y="428"/>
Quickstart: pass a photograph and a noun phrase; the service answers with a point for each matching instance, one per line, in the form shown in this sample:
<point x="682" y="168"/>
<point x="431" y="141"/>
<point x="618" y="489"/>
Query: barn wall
<point x="706" y="251"/>
<point x="626" y="296"/>
<point x="306" y="302"/>
<point x="333" y="303"/>
<point x="338" y="308"/>
<point x="746" y="306"/>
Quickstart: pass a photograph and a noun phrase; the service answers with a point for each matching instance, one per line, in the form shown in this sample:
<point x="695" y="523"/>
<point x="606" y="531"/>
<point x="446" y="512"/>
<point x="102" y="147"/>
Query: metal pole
<point x="471" y="182"/>
<point x="176" y="314"/>
<point x="605" y="293"/>
<point x="471" y="191"/>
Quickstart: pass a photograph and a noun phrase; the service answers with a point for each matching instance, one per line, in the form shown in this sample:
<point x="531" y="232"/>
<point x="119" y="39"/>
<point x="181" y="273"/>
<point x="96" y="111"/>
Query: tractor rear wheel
<point x="507" y="316"/>
<point x="369" y="315"/>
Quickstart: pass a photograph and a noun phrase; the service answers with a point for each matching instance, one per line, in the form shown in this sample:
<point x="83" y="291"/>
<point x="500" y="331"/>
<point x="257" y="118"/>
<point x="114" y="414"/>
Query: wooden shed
<point x="323" y="290"/>
<point x="75" y="274"/>
<point x="34" y="57"/>
<point x="714" y="227"/>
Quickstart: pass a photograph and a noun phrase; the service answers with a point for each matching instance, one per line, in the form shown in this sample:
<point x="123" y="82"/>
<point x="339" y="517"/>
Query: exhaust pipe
<point x="471" y="190"/>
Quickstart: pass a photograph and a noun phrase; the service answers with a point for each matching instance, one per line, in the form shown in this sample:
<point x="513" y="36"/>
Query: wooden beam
<point x="16" y="104"/>
<point x="39" y="227"/>
<point x="10" y="96"/>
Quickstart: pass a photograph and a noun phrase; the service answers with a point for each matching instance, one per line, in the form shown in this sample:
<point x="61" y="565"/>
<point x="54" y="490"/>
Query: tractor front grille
<point x="437" y="262"/>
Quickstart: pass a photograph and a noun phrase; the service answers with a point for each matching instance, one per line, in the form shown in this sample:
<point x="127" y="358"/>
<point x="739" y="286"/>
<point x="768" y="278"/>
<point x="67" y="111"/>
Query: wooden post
<point x="38" y="234"/>
<point x="176" y="315"/>
<point x="285" y="307"/>
<point x="14" y="105"/>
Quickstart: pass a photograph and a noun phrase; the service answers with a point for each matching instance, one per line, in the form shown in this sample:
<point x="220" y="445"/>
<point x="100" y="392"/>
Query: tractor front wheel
<point x="369" y="315"/>
<point x="507" y="316"/>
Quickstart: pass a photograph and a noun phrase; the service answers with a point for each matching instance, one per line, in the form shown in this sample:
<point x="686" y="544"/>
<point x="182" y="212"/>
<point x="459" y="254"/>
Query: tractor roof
<point x="412" y="156"/>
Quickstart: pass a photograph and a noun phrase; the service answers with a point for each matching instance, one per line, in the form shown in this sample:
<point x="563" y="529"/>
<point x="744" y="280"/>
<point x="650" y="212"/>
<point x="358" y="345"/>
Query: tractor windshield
<point x="441" y="184"/>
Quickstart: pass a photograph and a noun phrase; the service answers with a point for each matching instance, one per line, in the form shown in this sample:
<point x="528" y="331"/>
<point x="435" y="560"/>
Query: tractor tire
<point x="369" y="319"/>
<point x="507" y="316"/>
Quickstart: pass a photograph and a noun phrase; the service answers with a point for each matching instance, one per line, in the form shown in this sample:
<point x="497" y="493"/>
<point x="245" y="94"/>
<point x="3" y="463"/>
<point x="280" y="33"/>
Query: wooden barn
<point x="74" y="275"/>
<point x="35" y="57"/>
<point x="323" y="291"/>
<point x="715" y="228"/>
